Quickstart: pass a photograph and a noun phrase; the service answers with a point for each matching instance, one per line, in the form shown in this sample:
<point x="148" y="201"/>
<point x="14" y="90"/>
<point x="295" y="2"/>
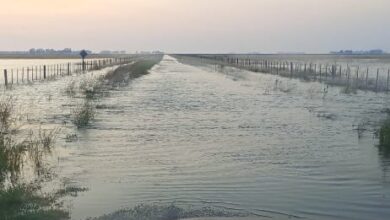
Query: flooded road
<point x="242" y="141"/>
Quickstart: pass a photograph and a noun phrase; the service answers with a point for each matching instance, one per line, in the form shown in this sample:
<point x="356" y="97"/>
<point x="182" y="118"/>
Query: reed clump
<point x="349" y="90"/>
<point x="20" y="199"/>
<point x="83" y="114"/>
<point x="71" y="88"/>
<point x="91" y="87"/>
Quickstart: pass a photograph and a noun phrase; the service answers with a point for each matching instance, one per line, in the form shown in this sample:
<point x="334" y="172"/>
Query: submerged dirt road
<point x="196" y="137"/>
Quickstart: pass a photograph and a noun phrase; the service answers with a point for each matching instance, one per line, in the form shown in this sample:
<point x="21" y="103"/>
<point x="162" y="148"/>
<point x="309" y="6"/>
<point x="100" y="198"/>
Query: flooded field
<point x="192" y="136"/>
<point x="20" y="63"/>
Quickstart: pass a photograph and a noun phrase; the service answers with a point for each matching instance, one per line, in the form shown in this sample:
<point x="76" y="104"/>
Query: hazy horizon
<point x="185" y="26"/>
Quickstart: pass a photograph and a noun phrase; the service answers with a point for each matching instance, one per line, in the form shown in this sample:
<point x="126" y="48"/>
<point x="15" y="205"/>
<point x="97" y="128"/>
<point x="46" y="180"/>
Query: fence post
<point x="340" y="71"/>
<point x="367" y="78"/>
<point x="388" y="78"/>
<point x="291" y="66"/>
<point x="68" y="69"/>
<point x="5" y="78"/>
<point x="44" y="71"/>
<point x="357" y="76"/>
<point x="320" y="71"/>
<point x="377" y="76"/>
<point x="326" y="72"/>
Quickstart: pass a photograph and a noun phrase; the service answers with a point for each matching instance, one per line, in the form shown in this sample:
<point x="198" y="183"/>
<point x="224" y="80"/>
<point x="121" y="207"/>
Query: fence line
<point x="334" y="74"/>
<point x="23" y="75"/>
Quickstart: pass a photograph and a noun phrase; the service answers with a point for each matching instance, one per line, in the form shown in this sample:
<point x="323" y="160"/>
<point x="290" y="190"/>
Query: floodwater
<point x="20" y="63"/>
<point x="246" y="141"/>
<point x="32" y="66"/>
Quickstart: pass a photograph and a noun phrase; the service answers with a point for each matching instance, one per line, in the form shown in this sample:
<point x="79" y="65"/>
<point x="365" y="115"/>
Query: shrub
<point x="83" y="114"/>
<point x="91" y="87"/>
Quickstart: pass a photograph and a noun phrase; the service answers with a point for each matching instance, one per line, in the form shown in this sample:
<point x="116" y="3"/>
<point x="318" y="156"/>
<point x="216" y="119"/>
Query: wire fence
<point x="28" y="75"/>
<point x="351" y="76"/>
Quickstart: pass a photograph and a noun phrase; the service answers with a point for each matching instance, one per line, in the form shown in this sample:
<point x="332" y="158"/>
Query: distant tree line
<point x="66" y="51"/>
<point x="360" y="52"/>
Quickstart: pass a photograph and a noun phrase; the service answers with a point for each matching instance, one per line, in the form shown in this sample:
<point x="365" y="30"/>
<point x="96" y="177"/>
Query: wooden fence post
<point x="388" y="78"/>
<point x="357" y="76"/>
<point x="5" y="78"/>
<point x="44" y="71"/>
<point x="320" y="71"/>
<point x="326" y="72"/>
<point x="377" y="76"/>
<point x="340" y="72"/>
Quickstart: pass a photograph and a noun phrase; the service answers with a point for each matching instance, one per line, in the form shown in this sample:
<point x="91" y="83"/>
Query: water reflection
<point x="384" y="155"/>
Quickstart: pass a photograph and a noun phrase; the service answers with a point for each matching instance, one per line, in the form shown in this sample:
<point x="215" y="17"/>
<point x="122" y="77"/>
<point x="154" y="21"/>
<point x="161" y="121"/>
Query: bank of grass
<point x="93" y="87"/>
<point x="22" y="199"/>
<point x="124" y="74"/>
<point x="25" y="202"/>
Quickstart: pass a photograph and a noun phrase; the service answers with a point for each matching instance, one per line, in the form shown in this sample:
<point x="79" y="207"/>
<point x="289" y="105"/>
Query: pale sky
<point x="196" y="25"/>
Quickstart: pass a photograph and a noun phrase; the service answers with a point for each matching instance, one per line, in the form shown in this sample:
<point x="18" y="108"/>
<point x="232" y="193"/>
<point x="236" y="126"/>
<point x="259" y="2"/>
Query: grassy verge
<point x="124" y="74"/>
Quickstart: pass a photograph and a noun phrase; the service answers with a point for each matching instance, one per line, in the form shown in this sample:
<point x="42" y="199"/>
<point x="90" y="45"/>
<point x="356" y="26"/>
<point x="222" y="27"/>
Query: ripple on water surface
<point x="193" y="136"/>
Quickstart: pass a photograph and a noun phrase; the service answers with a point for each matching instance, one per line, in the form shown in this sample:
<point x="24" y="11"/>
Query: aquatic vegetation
<point x="348" y="90"/>
<point x="171" y="212"/>
<point x="71" y="88"/>
<point x="83" y="114"/>
<point x="286" y="88"/>
<point x="71" y="137"/>
<point x="328" y="116"/>
<point x="384" y="134"/>
<point x="6" y="109"/>
<point x="361" y="127"/>
<point x="24" y="202"/>
<point x="20" y="199"/>
<point x="91" y="87"/>
<point x="47" y="138"/>
<point x="124" y="74"/>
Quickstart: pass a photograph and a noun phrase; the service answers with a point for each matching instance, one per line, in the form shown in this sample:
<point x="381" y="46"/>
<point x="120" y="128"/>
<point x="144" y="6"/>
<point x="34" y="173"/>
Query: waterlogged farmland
<point x="196" y="135"/>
